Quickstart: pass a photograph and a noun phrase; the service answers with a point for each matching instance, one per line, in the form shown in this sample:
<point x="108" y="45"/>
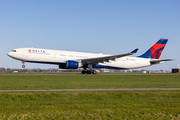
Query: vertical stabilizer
<point x="156" y="50"/>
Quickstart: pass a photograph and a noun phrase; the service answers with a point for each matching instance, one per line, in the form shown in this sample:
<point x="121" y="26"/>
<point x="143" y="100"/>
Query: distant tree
<point x="8" y="70"/>
<point x="2" y="69"/>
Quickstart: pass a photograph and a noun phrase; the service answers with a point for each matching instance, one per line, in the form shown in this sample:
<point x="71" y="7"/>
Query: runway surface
<point x="120" y="89"/>
<point x="87" y="74"/>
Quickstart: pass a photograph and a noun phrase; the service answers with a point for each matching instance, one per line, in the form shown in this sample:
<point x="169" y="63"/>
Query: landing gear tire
<point x="88" y="72"/>
<point x="83" y="72"/>
<point x="93" y="72"/>
<point x="23" y="66"/>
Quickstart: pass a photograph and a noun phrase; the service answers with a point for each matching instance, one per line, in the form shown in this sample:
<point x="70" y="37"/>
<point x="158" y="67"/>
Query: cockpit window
<point x="13" y="50"/>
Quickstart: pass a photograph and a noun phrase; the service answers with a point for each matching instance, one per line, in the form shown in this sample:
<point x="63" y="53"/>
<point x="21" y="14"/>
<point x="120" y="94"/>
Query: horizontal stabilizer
<point x="159" y="61"/>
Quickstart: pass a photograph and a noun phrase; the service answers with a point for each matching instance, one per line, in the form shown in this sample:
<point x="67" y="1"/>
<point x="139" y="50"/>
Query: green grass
<point x="91" y="105"/>
<point x="88" y="81"/>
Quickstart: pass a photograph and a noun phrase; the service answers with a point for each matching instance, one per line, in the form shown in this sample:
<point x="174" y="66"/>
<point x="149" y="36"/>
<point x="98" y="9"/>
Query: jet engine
<point x="70" y="64"/>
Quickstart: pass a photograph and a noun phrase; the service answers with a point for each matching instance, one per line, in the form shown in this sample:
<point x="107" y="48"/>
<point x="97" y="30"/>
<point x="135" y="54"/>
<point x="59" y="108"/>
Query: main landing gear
<point x="23" y="66"/>
<point x="88" y="71"/>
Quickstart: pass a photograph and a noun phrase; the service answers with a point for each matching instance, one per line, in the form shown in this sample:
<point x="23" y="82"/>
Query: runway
<point x="118" y="89"/>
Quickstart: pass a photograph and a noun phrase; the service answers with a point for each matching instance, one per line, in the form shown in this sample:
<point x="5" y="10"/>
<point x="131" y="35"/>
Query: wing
<point x="159" y="61"/>
<point x="105" y="59"/>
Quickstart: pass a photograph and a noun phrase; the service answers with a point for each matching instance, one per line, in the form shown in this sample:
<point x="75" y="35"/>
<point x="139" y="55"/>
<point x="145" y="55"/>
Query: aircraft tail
<point x="156" y="50"/>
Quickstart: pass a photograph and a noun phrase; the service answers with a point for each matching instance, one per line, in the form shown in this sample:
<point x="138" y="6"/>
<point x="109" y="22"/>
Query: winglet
<point x="134" y="51"/>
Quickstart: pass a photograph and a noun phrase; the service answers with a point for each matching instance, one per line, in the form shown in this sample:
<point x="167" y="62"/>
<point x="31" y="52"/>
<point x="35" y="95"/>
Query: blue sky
<point x="96" y="26"/>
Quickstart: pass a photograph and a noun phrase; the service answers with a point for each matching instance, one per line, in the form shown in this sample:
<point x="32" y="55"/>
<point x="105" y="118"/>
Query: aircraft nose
<point x="9" y="53"/>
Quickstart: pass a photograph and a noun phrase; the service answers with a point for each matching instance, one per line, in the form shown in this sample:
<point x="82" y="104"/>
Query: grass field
<point x="88" y="81"/>
<point x="90" y="105"/>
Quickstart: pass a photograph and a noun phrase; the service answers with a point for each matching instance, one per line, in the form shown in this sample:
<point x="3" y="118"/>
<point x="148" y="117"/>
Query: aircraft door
<point x="54" y="55"/>
<point x="23" y="53"/>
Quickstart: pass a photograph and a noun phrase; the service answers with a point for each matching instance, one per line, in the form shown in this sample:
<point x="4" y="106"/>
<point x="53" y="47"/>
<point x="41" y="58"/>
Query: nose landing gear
<point x="23" y="66"/>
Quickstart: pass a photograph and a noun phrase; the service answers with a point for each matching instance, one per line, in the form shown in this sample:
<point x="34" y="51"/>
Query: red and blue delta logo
<point x="157" y="50"/>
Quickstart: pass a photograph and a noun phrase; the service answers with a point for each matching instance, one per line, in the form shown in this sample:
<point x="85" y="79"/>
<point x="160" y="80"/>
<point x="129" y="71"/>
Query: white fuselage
<point x="58" y="56"/>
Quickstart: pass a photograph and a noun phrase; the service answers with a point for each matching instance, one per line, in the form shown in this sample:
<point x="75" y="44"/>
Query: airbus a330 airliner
<point x="90" y="61"/>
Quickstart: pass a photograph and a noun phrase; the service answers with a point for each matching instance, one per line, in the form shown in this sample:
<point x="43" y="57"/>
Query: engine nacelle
<point x="62" y="66"/>
<point x="70" y="64"/>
